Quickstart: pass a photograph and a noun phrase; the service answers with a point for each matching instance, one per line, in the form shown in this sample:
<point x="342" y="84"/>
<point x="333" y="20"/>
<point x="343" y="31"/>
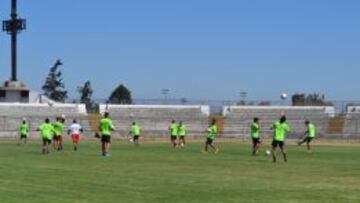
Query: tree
<point x="313" y="99"/>
<point x="54" y="87"/>
<point x="121" y="95"/>
<point x="183" y="101"/>
<point x="86" y="92"/>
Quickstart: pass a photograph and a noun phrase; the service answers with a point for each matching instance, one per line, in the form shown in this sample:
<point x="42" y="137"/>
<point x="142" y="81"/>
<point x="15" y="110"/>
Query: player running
<point x="24" y="131"/>
<point x="75" y="130"/>
<point x="135" y="132"/>
<point x="210" y="137"/>
<point x="173" y="128"/>
<point x="106" y="127"/>
<point x="182" y="131"/>
<point x="255" y="135"/>
<point x="280" y="128"/>
<point x="310" y="135"/>
<point x="46" y="129"/>
<point x="58" y="130"/>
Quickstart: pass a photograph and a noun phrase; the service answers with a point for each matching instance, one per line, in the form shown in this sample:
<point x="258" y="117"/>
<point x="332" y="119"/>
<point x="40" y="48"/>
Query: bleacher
<point x="237" y="119"/>
<point x="352" y="123"/>
<point x="155" y="119"/>
<point x="11" y="115"/>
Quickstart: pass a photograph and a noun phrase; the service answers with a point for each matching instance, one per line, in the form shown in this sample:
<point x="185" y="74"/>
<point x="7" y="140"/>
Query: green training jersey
<point x="174" y="129"/>
<point x="106" y="126"/>
<point x="255" y="130"/>
<point x="24" y="129"/>
<point x="58" y="128"/>
<point x="311" y="130"/>
<point x="182" y="131"/>
<point x="46" y="130"/>
<point x="135" y="130"/>
<point x="212" y="132"/>
<point x="280" y="130"/>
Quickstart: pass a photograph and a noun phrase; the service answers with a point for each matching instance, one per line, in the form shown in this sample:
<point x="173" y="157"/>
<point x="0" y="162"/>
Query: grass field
<point x="156" y="173"/>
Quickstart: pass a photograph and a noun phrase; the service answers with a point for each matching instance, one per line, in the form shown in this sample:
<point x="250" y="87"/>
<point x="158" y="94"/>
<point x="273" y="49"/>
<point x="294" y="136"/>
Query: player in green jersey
<point x="173" y="129"/>
<point x="310" y="134"/>
<point x="106" y="128"/>
<point x="58" y="131"/>
<point x="24" y="132"/>
<point x="135" y="132"/>
<point x="280" y="128"/>
<point x="255" y="135"/>
<point x="46" y="130"/>
<point x="212" y="132"/>
<point x="182" y="132"/>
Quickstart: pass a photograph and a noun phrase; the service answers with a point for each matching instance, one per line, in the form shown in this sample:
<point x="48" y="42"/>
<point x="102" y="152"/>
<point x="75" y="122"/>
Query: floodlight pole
<point x="13" y="27"/>
<point x="165" y="92"/>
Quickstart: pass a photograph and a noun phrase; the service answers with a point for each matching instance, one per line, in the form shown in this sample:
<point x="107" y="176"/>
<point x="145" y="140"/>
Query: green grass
<point x="156" y="173"/>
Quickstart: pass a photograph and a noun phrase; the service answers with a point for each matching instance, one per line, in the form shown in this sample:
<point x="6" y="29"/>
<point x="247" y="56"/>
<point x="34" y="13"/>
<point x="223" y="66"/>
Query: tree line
<point x="54" y="89"/>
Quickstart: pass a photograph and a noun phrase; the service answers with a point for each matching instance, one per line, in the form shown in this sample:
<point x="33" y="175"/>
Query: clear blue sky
<point x="204" y="49"/>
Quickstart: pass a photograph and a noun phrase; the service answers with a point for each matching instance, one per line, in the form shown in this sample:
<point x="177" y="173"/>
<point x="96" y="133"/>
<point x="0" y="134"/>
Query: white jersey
<point x="75" y="129"/>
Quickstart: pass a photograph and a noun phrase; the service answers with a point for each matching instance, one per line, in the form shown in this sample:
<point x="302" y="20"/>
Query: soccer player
<point x="135" y="131"/>
<point x="210" y="137"/>
<point x="280" y="128"/>
<point x="310" y="135"/>
<point x="173" y="128"/>
<point x="24" y="132"/>
<point x="255" y="135"/>
<point x="106" y="127"/>
<point x="46" y="129"/>
<point x="182" y="131"/>
<point x="58" y="130"/>
<point x="75" y="130"/>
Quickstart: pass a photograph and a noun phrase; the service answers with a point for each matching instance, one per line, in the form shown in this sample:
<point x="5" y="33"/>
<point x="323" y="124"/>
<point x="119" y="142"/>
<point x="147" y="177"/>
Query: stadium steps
<point x="336" y="124"/>
<point x="94" y="119"/>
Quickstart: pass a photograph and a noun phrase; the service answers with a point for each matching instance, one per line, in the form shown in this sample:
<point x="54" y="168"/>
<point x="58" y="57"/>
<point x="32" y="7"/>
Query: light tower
<point x="14" y="90"/>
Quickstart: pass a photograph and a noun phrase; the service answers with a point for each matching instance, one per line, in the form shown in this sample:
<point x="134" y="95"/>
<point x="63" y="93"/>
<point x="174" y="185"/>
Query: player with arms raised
<point x="280" y="128"/>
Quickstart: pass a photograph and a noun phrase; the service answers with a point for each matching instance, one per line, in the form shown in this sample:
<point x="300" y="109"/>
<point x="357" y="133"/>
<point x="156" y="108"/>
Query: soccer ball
<point x="51" y="103"/>
<point x="283" y="96"/>
<point x="267" y="153"/>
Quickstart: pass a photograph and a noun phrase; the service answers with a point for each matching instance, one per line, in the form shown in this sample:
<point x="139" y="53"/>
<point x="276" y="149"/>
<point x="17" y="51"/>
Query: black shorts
<point x="256" y="140"/>
<point x="23" y="136"/>
<point x="46" y="141"/>
<point x="277" y="143"/>
<point x="209" y="141"/>
<point x="308" y="139"/>
<point x="173" y="138"/>
<point x="106" y="139"/>
<point x="136" y="137"/>
<point x="57" y="137"/>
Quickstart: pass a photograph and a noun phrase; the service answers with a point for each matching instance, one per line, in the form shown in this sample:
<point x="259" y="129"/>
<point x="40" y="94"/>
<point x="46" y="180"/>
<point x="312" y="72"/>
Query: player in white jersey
<point x="75" y="130"/>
